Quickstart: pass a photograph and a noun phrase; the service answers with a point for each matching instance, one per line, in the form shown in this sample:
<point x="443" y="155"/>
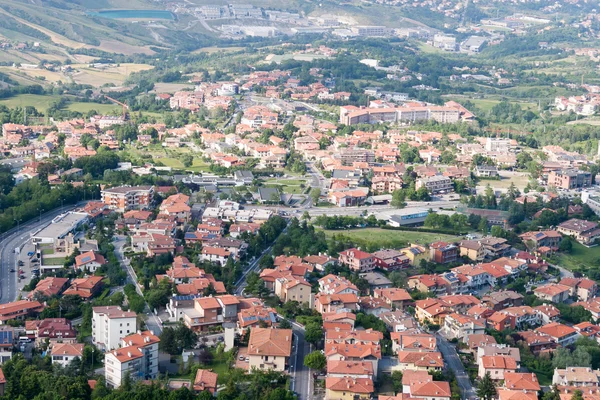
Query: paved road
<point x="301" y="375"/>
<point x="453" y="361"/>
<point x="153" y="323"/>
<point x="17" y="237"/>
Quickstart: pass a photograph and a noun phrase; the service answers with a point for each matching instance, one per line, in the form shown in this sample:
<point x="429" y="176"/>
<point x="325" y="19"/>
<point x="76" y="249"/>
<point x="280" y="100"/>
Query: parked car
<point x="30" y="254"/>
<point x="12" y="270"/>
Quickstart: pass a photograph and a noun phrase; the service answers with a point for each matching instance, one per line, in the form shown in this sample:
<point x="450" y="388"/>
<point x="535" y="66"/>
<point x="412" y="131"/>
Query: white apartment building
<point x="497" y="145"/>
<point x="137" y="356"/>
<point x="110" y="324"/>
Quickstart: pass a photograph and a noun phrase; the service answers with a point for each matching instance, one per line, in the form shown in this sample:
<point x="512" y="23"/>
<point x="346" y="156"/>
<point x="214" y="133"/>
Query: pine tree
<point x="486" y="390"/>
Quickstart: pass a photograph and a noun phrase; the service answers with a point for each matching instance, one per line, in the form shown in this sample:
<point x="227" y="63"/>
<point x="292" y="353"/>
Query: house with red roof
<point x="496" y="366"/>
<point x="205" y="380"/>
<point x="420" y="385"/>
<point x="357" y="260"/>
<point x="563" y="335"/>
<point x="347" y="387"/>
<point x="90" y="261"/>
<point x="85" y="288"/>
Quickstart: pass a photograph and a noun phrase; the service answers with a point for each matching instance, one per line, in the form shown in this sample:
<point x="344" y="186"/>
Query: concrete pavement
<point x="455" y="364"/>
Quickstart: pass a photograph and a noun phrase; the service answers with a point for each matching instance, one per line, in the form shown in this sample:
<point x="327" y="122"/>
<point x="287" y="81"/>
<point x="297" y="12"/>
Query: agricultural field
<point x="113" y="74"/>
<point x="84" y="108"/>
<point x="376" y="238"/>
<point x="40" y="102"/>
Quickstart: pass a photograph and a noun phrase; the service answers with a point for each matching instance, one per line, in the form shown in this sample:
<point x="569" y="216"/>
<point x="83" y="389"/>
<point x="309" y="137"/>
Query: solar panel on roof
<point x="86" y="259"/>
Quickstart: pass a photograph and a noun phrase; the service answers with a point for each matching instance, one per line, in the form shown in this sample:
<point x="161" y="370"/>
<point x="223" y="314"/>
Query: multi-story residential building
<point x="419" y="361"/>
<point x="495" y="247"/>
<point x="415" y="254"/>
<point x="522" y="316"/>
<point x="436" y="184"/>
<point x="585" y="289"/>
<point x="570" y="179"/>
<point x="563" y="335"/>
<point x="19" y="309"/>
<point x="499" y="145"/>
<point x="420" y="385"/>
<point x="396" y="297"/>
<point x="486" y="171"/>
<point x="472" y="250"/>
<point x="496" y="366"/>
<point x="51" y="330"/>
<point x="457" y="326"/>
<point x="553" y="292"/>
<point x="110" y="324"/>
<point x="90" y="260"/>
<point x="64" y="353"/>
<point x="502" y="299"/>
<point x="349" y="388"/>
<point x="357" y="260"/>
<point x="584" y="232"/>
<point x="207" y="312"/>
<point x="326" y="303"/>
<point x="578" y="377"/>
<point x="215" y="254"/>
<point x="443" y="253"/>
<point x="289" y="288"/>
<point x="124" y="198"/>
<point x="333" y="284"/>
<point x="390" y="260"/>
<point x="137" y="357"/>
<point x="269" y="348"/>
<point x="548" y="238"/>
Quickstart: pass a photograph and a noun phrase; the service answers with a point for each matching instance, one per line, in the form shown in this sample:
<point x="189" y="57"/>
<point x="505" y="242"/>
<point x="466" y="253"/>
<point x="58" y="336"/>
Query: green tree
<point x="483" y="226"/>
<point x="398" y="198"/>
<point x="315" y="360"/>
<point x="285" y="324"/>
<point x="313" y="333"/>
<point x="168" y="342"/>
<point x="486" y="390"/>
<point x="577" y="395"/>
<point x="566" y="244"/>
<point x="315" y="195"/>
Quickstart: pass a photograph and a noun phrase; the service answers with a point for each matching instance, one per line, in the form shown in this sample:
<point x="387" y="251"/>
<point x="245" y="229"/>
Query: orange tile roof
<point x="75" y="349"/>
<point x="270" y="342"/>
<point x="498" y="362"/>
<point x="347" y="384"/>
<point x="349" y="367"/>
<point x="205" y="380"/>
<point x="431" y="359"/>
<point x="506" y="394"/>
<point x="556" y="330"/>
<point x="521" y="381"/>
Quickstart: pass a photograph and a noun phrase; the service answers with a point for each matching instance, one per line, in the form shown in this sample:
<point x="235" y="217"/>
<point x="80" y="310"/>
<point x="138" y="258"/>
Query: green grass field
<point x="375" y="238"/>
<point x="53" y="261"/>
<point x="40" y="102"/>
<point x="84" y="108"/>
<point x="580" y="258"/>
<point x="197" y="166"/>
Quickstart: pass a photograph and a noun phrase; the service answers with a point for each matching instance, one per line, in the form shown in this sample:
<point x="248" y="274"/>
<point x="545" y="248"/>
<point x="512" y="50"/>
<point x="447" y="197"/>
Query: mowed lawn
<point x="580" y="257"/>
<point x="387" y="238"/>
